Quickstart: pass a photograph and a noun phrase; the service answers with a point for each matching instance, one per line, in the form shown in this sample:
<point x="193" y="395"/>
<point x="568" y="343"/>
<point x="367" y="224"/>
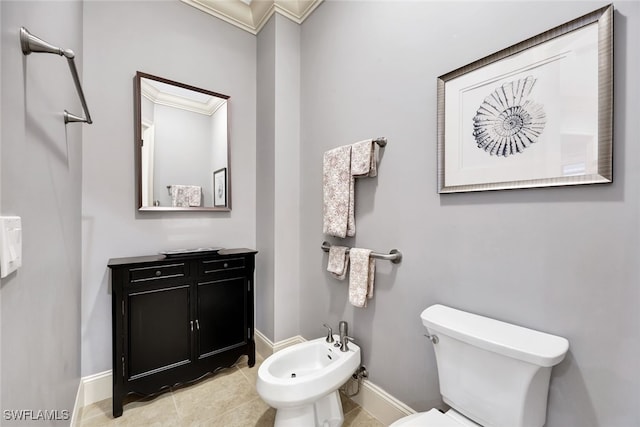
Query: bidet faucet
<point x="329" y="338"/>
<point x="343" y="328"/>
<point x="344" y="343"/>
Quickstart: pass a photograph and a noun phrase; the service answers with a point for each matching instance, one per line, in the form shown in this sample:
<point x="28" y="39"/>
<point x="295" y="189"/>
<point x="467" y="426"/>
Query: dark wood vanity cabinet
<point x="175" y="319"/>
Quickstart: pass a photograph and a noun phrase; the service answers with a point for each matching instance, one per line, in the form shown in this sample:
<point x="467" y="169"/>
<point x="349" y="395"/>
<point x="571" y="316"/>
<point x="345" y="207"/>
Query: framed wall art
<point x="220" y="187"/>
<point x="536" y="114"/>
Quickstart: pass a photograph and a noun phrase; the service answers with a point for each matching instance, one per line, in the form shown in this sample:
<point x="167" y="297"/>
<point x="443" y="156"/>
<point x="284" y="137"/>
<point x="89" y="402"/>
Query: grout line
<point x="175" y="404"/>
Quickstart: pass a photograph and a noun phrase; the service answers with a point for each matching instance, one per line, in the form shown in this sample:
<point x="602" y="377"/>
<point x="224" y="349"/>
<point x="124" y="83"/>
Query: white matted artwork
<point x="536" y="114"/>
<point x="220" y="187"/>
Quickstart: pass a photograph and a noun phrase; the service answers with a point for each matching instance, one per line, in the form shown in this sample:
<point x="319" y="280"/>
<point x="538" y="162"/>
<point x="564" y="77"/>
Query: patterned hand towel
<point x="186" y="195"/>
<point x="337" y="191"/>
<point x="338" y="262"/>
<point x="361" y="275"/>
<point x="364" y="158"/>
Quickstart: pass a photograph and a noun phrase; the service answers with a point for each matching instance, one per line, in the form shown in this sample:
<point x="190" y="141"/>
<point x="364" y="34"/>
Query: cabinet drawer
<point x="213" y="266"/>
<point x="165" y="271"/>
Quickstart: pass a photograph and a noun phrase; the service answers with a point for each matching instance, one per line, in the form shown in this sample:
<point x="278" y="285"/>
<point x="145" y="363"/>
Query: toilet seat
<point x="434" y="418"/>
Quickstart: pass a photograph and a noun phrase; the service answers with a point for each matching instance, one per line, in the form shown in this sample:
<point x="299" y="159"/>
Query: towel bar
<point x="31" y="43"/>
<point x="382" y="141"/>
<point x="395" y="256"/>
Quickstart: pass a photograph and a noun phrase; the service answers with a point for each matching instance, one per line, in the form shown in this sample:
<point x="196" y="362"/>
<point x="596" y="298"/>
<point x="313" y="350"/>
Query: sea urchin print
<point x="507" y="121"/>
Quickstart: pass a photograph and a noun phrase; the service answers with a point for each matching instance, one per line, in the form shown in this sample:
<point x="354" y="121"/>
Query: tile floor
<point x="227" y="399"/>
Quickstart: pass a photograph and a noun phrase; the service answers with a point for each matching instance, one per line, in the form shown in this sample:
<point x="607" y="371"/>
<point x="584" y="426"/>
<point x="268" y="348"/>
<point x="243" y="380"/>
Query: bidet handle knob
<point x="329" y="338"/>
<point x="345" y="343"/>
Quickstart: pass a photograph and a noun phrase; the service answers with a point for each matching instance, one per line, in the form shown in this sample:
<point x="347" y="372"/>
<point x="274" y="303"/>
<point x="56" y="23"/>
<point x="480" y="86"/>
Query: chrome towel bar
<point x="382" y="141"/>
<point x="31" y="43"/>
<point x="395" y="256"/>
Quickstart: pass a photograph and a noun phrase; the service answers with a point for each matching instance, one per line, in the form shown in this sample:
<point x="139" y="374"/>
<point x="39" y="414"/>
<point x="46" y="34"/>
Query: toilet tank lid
<point x="493" y="335"/>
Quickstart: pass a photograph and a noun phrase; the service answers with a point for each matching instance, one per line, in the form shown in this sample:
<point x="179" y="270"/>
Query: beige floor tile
<point x="347" y="404"/>
<point x="214" y="397"/>
<point x="100" y="420"/>
<point x="95" y="409"/>
<point x="105" y="408"/>
<point x="360" y="418"/>
<point x="251" y="374"/>
<point x="254" y="413"/>
<point x="157" y="412"/>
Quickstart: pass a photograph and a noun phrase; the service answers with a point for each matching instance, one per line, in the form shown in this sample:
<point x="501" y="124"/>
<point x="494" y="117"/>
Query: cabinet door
<point x="221" y="315"/>
<point x="159" y="330"/>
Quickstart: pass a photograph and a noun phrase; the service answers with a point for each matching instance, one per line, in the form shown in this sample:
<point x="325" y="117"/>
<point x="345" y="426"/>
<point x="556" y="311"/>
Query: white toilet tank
<point x="492" y="372"/>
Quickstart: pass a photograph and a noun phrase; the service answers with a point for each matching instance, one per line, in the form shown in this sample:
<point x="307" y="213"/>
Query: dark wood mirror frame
<point x="138" y="124"/>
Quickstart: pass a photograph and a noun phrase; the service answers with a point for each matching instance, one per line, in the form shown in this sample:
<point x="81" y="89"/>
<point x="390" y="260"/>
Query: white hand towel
<point x="364" y="158"/>
<point x="337" y="191"/>
<point x="338" y="262"/>
<point x="361" y="275"/>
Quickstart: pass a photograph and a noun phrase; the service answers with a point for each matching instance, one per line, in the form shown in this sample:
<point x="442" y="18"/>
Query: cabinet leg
<point x="117" y="405"/>
<point x="252" y="353"/>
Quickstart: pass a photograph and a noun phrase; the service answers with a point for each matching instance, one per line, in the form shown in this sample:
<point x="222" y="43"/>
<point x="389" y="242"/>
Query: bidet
<point x="302" y="383"/>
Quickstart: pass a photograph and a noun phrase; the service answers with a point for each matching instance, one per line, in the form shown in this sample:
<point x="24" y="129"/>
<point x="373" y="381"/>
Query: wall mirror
<point x="182" y="146"/>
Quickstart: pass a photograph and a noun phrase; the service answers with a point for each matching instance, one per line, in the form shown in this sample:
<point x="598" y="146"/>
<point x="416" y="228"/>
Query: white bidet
<point x="301" y="382"/>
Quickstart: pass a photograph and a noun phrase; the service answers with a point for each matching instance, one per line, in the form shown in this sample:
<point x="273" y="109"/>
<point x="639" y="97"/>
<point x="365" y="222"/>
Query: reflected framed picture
<point x="536" y="114"/>
<point x="220" y="188"/>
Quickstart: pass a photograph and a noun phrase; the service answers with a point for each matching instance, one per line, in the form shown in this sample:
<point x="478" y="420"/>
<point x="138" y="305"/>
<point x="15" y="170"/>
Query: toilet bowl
<point x="301" y="382"/>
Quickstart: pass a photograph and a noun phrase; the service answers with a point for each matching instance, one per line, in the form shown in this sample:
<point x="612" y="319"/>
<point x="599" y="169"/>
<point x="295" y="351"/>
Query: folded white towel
<point x="361" y="275"/>
<point x="338" y="261"/>
<point x="337" y="190"/>
<point x="186" y="195"/>
<point x="364" y="158"/>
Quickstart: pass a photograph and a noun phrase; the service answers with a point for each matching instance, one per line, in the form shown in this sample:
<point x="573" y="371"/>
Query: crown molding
<point x="251" y="15"/>
<point x="162" y="98"/>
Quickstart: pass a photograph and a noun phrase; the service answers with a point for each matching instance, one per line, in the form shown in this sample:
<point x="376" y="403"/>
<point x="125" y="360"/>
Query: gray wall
<point x="265" y="174"/>
<point x="1" y="26"/>
<point x="561" y="260"/>
<point x="178" y="42"/>
<point x="41" y="182"/>
<point x="279" y="176"/>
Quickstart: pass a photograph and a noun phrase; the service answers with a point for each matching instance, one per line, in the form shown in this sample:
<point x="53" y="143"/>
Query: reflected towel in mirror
<point x="186" y="195"/>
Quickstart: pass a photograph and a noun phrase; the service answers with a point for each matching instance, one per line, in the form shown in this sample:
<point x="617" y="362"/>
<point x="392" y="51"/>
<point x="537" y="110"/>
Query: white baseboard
<point x="92" y="389"/>
<point x="384" y="407"/>
<point x="97" y="387"/>
<point x="77" y="406"/>
<point x="265" y="347"/>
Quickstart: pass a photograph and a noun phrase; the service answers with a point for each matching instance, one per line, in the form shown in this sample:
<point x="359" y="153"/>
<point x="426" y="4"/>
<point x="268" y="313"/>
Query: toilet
<point x="491" y="373"/>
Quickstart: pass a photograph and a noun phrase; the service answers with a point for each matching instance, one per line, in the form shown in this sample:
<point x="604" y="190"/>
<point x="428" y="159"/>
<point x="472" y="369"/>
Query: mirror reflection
<point x="183" y="146"/>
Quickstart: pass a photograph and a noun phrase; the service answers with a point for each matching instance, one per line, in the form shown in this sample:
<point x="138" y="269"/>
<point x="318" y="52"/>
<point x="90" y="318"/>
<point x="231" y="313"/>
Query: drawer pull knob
<point x="225" y="265"/>
<point x="158" y="273"/>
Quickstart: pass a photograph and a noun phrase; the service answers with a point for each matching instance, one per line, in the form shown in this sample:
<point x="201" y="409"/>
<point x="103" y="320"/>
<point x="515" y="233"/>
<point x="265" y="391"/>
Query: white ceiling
<point x="251" y="15"/>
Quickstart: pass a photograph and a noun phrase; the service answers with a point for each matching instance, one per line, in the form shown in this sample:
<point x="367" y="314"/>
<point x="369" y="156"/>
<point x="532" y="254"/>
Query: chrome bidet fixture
<point x="329" y="338"/>
<point x="31" y="43"/>
<point x="345" y="339"/>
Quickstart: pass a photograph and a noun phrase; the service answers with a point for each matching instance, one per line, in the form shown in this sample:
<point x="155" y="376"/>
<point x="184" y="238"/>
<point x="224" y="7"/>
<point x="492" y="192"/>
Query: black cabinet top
<point x="115" y="262"/>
